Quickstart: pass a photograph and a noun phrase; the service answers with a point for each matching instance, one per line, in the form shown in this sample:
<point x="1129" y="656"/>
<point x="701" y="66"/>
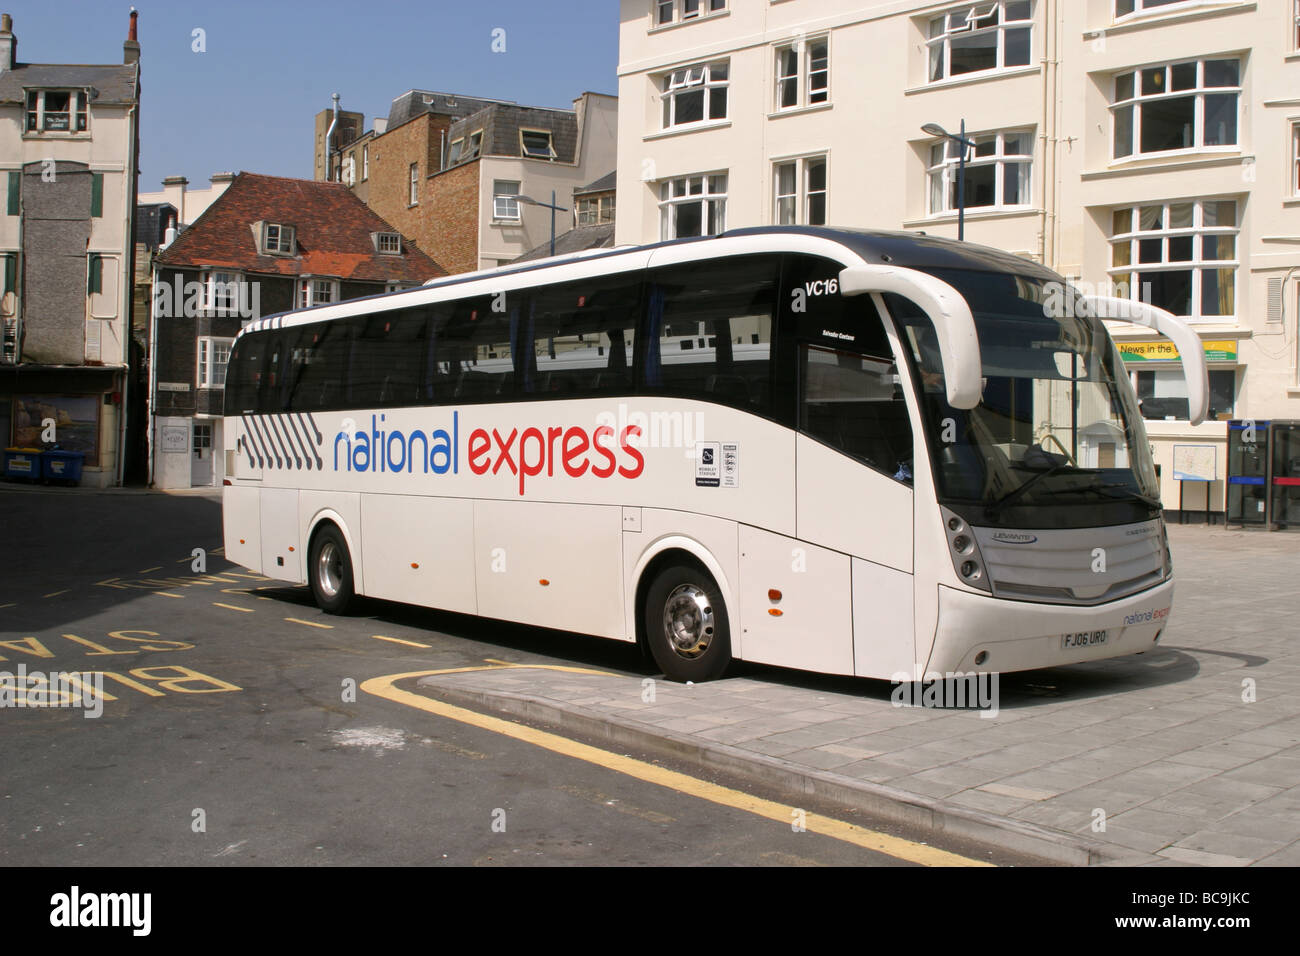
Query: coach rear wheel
<point x="330" y="571"/>
<point x="686" y="624"/>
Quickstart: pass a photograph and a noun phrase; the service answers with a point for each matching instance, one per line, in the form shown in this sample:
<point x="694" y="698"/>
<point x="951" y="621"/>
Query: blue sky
<point x="248" y="101"/>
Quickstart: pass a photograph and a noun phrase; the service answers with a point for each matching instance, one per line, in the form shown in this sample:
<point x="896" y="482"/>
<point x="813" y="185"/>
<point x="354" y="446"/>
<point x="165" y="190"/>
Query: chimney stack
<point x="8" y="43"/>
<point x="131" y="48"/>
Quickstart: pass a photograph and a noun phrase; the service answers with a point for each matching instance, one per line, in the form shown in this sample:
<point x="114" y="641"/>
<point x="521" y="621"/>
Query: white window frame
<point x="397" y="285"/>
<point x="393" y="241"/>
<point x="939" y="44"/>
<point x="78" y="112"/>
<point x="1130" y="273"/>
<point x="505" y="205"/>
<point x="799" y="201"/>
<point x="317" y="290"/>
<point x="365" y="162"/>
<point x="350" y="170"/>
<point x="593" y="210"/>
<point x="550" y="143"/>
<point x="804" y="75"/>
<point x="413" y="196"/>
<point x="687" y="80"/>
<point x="285" y="242"/>
<point x="225" y="300"/>
<point x="944" y="172"/>
<point x="454" y="149"/>
<point x="1295" y="26"/>
<point x="681" y="191"/>
<point x="1295" y="158"/>
<point x="1145" y="8"/>
<point x="683" y="11"/>
<point x="1199" y="92"/>
<point x="473" y="145"/>
<point x="206" y="363"/>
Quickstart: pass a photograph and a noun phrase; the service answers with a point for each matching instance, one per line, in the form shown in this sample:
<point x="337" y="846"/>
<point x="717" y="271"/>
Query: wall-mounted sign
<point x="175" y="438"/>
<point x="173" y="386"/>
<point x="1194" y="462"/>
<point x="1162" y="351"/>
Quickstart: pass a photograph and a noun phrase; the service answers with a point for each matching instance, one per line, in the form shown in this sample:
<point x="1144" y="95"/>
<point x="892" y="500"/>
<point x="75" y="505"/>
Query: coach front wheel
<point x="330" y="571"/>
<point x="686" y="624"/>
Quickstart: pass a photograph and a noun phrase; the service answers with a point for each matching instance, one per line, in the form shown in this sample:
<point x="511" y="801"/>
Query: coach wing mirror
<point x="1171" y="327"/>
<point x="959" y="346"/>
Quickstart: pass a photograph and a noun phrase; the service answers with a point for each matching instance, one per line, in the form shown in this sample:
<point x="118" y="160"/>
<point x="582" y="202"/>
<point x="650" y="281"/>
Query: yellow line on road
<point x="147" y="570"/>
<point x="246" y="610"/>
<point x="724" y="796"/>
<point x="308" y="623"/>
<point x="10" y="604"/>
<point x="398" y="640"/>
<point x="57" y="593"/>
<point x="169" y="594"/>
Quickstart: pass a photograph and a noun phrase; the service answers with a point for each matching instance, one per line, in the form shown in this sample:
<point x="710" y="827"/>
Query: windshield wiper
<point x="1127" y="492"/>
<point x="1020" y="489"/>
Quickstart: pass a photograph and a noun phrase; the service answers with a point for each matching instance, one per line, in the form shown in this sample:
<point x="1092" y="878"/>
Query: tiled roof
<point x="114" y="83"/>
<point x="413" y="103"/>
<point x="602" y="185"/>
<point x="576" y="239"/>
<point x="501" y="124"/>
<point x="332" y="226"/>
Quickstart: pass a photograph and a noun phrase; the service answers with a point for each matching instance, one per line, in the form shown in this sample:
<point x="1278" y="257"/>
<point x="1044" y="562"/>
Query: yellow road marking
<point x="169" y="594"/>
<point x="724" y="796"/>
<point x="246" y="610"/>
<point x="57" y="593"/>
<point x="308" y="623"/>
<point x="398" y="640"/>
<point x="10" y="604"/>
<point x="147" y="570"/>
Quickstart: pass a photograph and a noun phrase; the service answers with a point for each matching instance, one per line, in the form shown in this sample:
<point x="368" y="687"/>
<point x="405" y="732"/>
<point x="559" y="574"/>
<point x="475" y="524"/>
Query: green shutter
<point x="95" y="281"/>
<point x="11" y="270"/>
<point x="96" y="194"/>
<point x="15" y="182"/>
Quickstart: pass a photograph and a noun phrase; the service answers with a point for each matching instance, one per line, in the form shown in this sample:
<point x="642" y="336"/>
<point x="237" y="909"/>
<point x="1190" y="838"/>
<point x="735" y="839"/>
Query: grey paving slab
<point x="1183" y="767"/>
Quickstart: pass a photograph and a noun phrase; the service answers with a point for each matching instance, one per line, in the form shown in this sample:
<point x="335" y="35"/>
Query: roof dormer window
<point x="277" y="239"/>
<point x="536" y="143"/>
<point x="387" y="243"/>
<point x="56" y="111"/>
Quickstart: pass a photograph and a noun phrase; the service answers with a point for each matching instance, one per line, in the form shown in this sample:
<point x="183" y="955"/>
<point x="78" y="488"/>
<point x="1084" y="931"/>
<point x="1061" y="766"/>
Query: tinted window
<point x="582" y="337"/>
<point x="708" y="331"/>
<point x="389" y="357"/>
<point x="473" y="348"/>
<point x="244" y="374"/>
<point x="814" y="309"/>
<point x="318" y="367"/>
<point x="855" y="403"/>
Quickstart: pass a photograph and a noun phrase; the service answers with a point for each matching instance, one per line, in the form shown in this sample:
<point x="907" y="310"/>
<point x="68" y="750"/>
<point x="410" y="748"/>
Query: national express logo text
<point x="528" y="453"/>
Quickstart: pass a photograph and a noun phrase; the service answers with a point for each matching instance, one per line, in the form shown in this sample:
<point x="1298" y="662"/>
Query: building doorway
<point x="201" y="465"/>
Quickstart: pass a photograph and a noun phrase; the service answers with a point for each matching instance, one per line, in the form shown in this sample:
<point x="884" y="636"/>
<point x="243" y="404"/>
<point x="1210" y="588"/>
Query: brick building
<point x="266" y="245"/>
<point x="445" y="169"/>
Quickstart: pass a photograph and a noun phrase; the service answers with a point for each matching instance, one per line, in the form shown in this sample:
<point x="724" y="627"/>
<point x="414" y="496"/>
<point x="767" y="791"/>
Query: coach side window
<point x="389" y="359"/>
<point x="318" y="366"/>
<point x="472" y="348"/>
<point x="582" y="337"/>
<point x="244" y="375"/>
<point x="708" y="331"/>
<point x="850" y="394"/>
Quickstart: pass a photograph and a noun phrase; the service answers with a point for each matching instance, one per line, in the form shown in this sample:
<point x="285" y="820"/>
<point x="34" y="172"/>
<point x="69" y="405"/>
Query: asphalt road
<point x="237" y="732"/>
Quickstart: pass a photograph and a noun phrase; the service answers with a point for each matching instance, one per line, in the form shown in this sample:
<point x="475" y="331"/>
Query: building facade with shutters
<point x="267" y="244"/>
<point x="69" y="139"/>
<point x="1146" y="147"/>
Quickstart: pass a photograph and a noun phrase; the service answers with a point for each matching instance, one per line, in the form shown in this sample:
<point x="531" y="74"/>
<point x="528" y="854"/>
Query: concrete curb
<point x="889" y="803"/>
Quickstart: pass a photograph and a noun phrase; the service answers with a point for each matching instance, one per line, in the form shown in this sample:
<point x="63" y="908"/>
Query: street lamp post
<point x="534" y="202"/>
<point x="934" y="129"/>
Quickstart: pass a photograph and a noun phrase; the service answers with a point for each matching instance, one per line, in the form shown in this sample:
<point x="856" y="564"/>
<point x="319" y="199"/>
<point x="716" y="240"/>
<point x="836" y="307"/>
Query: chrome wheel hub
<point x="329" y="569"/>
<point x="688" y="621"/>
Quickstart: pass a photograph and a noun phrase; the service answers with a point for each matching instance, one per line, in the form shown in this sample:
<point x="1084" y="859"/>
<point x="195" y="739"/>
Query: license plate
<point x="1079" y="639"/>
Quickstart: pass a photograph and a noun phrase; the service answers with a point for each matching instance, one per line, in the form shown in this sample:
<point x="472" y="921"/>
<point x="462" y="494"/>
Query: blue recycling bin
<point x="62" y="466"/>
<point x="23" y="463"/>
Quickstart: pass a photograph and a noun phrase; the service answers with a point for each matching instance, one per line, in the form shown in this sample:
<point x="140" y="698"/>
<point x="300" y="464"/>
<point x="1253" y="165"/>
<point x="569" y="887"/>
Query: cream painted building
<point x="1151" y="144"/>
<point x="189" y="203"/>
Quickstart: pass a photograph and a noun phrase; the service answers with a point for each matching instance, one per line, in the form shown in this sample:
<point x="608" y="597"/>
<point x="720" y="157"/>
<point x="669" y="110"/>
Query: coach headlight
<point x="965" y="553"/>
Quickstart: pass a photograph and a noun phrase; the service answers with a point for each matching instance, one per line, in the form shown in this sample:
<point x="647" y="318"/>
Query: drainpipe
<point x="329" y="143"/>
<point x="1049" y="136"/>
<point x="128" y="288"/>
<point x="150" y="403"/>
